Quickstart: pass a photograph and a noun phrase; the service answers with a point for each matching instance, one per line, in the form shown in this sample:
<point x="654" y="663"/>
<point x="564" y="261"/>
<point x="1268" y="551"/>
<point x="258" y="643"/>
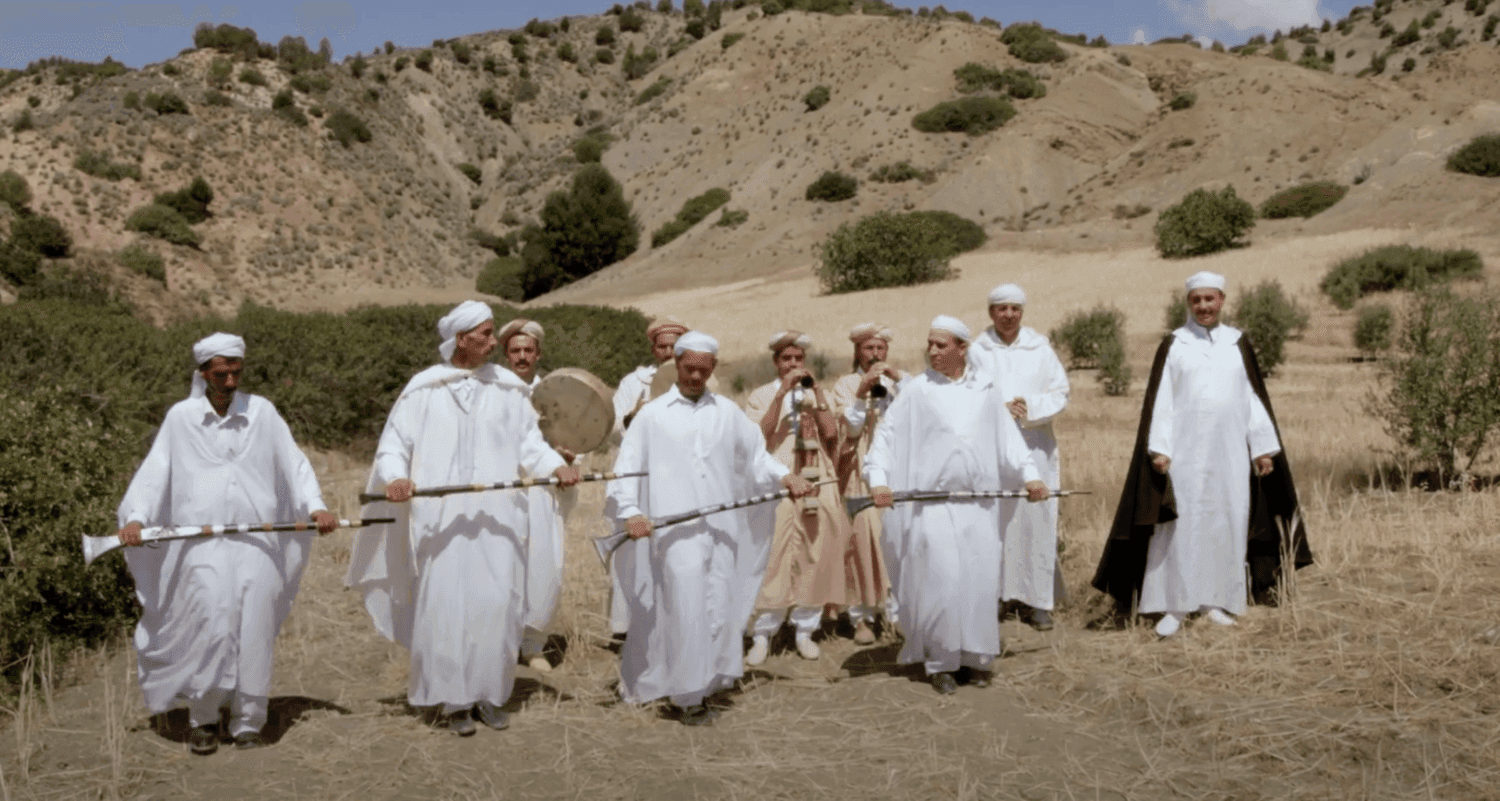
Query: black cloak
<point x="1147" y="499"/>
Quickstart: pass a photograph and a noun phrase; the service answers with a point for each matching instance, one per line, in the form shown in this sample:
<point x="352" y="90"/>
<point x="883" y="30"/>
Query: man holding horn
<point x="687" y="584"/>
<point x="805" y="569"/>
<point x="447" y="580"/>
<point x="521" y="344"/>
<point x="867" y="581"/>
<point x="946" y="432"/>
<point x="211" y="608"/>
<point x="1034" y="386"/>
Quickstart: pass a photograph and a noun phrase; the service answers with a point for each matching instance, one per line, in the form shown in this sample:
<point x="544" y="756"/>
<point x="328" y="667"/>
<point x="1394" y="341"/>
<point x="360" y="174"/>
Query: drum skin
<point x="577" y="409"/>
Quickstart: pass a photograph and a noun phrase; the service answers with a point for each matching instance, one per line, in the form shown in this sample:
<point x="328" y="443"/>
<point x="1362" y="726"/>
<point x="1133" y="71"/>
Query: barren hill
<point x="303" y="221"/>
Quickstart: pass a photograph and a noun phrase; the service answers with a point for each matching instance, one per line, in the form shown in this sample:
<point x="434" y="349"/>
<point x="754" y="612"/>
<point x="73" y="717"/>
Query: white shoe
<point x="760" y="648"/>
<point x="1168" y="625"/>
<point x="806" y="647"/>
<point x="1219" y="616"/>
<point x="540" y="664"/>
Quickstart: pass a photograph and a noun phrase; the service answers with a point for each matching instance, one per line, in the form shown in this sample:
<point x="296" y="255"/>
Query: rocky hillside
<point x="469" y="136"/>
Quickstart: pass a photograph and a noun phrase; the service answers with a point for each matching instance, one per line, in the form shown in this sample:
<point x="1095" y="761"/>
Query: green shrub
<point x="309" y="83"/>
<point x="293" y="115"/>
<point x="163" y="222"/>
<point x="1085" y="335"/>
<point x="693" y="211"/>
<point x="1392" y="267"/>
<point x="653" y="91"/>
<point x="1183" y="101"/>
<point x="252" y="76"/>
<point x="833" y="186"/>
<point x="1439" y="391"/>
<point x="1177" y="312"/>
<point x="1304" y="200"/>
<point x="696" y="28"/>
<point x="461" y="52"/>
<point x="14" y="191"/>
<point x="471" y="172"/>
<point x="1032" y="43"/>
<point x="1481" y="156"/>
<point x="400" y="63"/>
<point x="1372" y="331"/>
<point x="219" y="72"/>
<point x="501" y="277"/>
<point x="23" y="122"/>
<point x="733" y="218"/>
<point x="582" y="231"/>
<point x="358" y="66"/>
<point x="900" y="172"/>
<point x="191" y="202"/>
<point x="1268" y="317"/>
<point x="1203" y="222"/>
<point x="347" y="128"/>
<point x="588" y="150"/>
<point x="527" y="90"/>
<point x="42" y="234"/>
<point x="631" y="20"/>
<point x="143" y="260"/>
<point x="166" y="103"/>
<point x="635" y="65"/>
<point x="494" y="107"/>
<point x="565" y="52"/>
<point x="215" y="98"/>
<point x="132" y="100"/>
<point x="226" y="38"/>
<point x="888" y="250"/>
<point x="423" y="61"/>
<point x="19" y="266"/>
<point x="539" y="29"/>
<point x="605" y="36"/>
<point x="1021" y="84"/>
<point x="816" y="98"/>
<point x="729" y="40"/>
<point x="971" y="115"/>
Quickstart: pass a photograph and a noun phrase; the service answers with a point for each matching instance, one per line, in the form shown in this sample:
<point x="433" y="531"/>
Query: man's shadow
<point x="881" y="659"/>
<point x="282" y="713"/>
<point x="524" y="690"/>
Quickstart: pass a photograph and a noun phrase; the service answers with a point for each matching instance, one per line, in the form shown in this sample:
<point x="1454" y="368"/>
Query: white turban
<point x="696" y="341"/>
<point x="1008" y="293"/>
<point x="1206" y="280"/>
<point x="466" y="316"/>
<point x="218" y="344"/>
<point x="951" y="325"/>
<point x="786" y="339"/>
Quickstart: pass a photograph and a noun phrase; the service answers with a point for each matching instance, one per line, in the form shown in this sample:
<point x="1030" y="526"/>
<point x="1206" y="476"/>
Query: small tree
<point x="1304" y="200"/>
<point x="889" y="250"/>
<point x="1203" y="222"/>
<point x="1030" y="42"/>
<point x="163" y="222"/>
<point x="347" y="128"/>
<point x="971" y="115"/>
<point x="502" y="277"/>
<point x="41" y="233"/>
<point x="14" y="191"/>
<point x="833" y="186"/>
<point x="1268" y="317"/>
<point x="1481" y="156"/>
<point x="583" y="230"/>
<point x="1085" y="335"/>
<point x="816" y="98"/>
<point x="1372" y="332"/>
<point x="588" y="150"/>
<point x="190" y="202"/>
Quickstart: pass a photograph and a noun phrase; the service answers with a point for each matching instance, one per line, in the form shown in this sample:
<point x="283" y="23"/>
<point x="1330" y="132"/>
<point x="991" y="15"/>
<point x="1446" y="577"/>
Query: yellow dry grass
<point x="1369" y="683"/>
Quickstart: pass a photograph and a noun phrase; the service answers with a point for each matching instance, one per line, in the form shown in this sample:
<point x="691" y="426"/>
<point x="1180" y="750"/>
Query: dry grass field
<point x="1375" y="681"/>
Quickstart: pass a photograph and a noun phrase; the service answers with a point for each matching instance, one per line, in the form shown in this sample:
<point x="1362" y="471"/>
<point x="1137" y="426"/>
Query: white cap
<point x="1008" y="293"/>
<point x="218" y="344"/>
<point x="1206" y="280"/>
<point x="952" y="325"/>
<point x="696" y="341"/>
<point x="466" y="316"/>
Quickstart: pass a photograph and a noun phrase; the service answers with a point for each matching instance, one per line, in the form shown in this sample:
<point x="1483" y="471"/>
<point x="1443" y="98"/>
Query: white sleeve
<point x="1041" y="407"/>
<point x="765" y="471"/>
<point x="1262" y="439"/>
<point x="296" y="470"/>
<point x="393" y="454"/>
<point x="877" y="464"/>
<point x="1015" y="456"/>
<point x="537" y="458"/>
<point x="1159" y="439"/>
<point x="146" y="499"/>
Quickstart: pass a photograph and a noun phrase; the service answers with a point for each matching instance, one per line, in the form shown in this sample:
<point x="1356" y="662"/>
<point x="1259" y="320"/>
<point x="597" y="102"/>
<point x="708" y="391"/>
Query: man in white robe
<point x="447" y="580"/>
<point x="211" y="607"/>
<point x="946" y="432"/>
<point x="855" y="400"/>
<point x="630" y="396"/>
<point x="521" y="344"/>
<point x="1034" y="386"/>
<point x="686" y="584"/>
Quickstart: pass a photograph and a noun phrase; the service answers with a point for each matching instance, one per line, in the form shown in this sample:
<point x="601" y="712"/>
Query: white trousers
<point x="247" y="713"/>
<point x="805" y="618"/>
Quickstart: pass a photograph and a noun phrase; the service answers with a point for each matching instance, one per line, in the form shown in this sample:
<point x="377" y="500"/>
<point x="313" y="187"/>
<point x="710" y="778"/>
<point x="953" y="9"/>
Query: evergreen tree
<point x="583" y="230"/>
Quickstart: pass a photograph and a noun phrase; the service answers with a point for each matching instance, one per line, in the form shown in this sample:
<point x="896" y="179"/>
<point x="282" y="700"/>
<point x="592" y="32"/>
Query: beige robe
<point x="867" y="581"/>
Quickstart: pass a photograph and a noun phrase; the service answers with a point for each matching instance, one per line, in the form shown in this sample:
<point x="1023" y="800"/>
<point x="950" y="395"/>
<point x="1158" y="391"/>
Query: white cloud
<point x="1205" y="42"/>
<point x="1246" y="14"/>
<point x="1139" y="37"/>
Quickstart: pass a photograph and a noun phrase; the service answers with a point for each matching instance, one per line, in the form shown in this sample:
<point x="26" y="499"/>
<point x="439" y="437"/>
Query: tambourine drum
<point x="577" y="410"/>
<point x="666" y="378"/>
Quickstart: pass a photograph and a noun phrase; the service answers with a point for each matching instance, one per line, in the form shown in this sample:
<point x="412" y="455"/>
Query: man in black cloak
<point x="1276" y="531"/>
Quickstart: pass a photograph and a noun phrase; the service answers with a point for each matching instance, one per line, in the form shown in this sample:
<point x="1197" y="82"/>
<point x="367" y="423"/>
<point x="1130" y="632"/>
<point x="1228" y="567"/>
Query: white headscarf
<point x="1207" y="280"/>
<point x="696" y="341"/>
<point x="1008" y="293"/>
<point x="466" y="316"/>
<point x="952" y="325"/>
<point x="217" y="344"/>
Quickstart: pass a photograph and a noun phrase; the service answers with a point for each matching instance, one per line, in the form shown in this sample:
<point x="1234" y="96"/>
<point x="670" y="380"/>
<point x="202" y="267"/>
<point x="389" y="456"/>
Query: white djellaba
<point x="448" y="578"/>
<point x="1027" y="368"/>
<point x="689" y="585"/>
<point x="946" y="434"/>
<point x="211" y="607"/>
<point x="1208" y="420"/>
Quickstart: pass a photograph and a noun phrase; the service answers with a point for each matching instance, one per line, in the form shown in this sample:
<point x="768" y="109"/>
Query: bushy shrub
<point x="693" y="211"/>
<point x="1177" y="312"/>
<point x="501" y="277"/>
<point x="1114" y="371"/>
<point x="1396" y="267"/>
<point x="226" y="38"/>
<point x="132" y="100"/>
<point x="1268" y="317"/>
<point x="309" y="83"/>
<point x="1183" y="101"/>
<point x="631" y="20"/>
<point x="143" y="260"/>
<point x="462" y="53"/>
<point x="423" y="61"/>
<point x="1303" y="200"/>
<point x="1085" y="334"/>
<point x="1203" y="222"/>
<point x="166" y="103"/>
<point x="347" y="128"/>
<point x="14" y="191"/>
<point x="163" y="222"/>
<point x="733" y="218"/>
<point x="215" y="98"/>
<point x="526" y="90"/>
<point x="900" y="172"/>
<point x="1032" y="43"/>
<point x="582" y="231"/>
<point x="605" y="35"/>
<point x="971" y="115"/>
<point x="588" y="150"/>
<point x="252" y="76"/>
<point x="1372" y="330"/>
<point x="358" y="66"/>
<point x="494" y="107"/>
<point x="219" y="72"/>
<point x="191" y="201"/>
<point x="471" y="172"/>
<point x="1408" y="36"/>
<point x="1439" y="392"/>
<point x="565" y="52"/>
<point x="888" y="250"/>
<point x="653" y="91"/>
<point x="816" y="98"/>
<point x="23" y="122"/>
<point x="19" y="266"/>
<point x="1021" y="84"/>
<point x="730" y="38"/>
<point x="1481" y="156"/>
<point x="833" y="186"/>
<point x="41" y="234"/>
<point x="636" y="65"/>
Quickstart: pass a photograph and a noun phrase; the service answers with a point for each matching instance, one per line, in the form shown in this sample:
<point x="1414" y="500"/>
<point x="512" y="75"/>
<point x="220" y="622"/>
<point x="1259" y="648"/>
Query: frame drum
<point x="577" y="410"/>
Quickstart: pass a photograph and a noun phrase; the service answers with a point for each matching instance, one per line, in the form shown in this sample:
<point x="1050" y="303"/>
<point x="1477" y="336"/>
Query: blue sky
<point x="142" y="33"/>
